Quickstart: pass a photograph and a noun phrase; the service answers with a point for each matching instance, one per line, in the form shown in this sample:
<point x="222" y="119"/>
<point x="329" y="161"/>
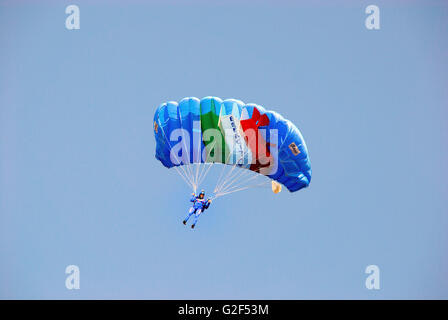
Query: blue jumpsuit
<point x="199" y="205"/>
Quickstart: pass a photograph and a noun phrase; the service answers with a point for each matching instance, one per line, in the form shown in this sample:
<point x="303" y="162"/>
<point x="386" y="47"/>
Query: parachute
<point x="250" y="142"/>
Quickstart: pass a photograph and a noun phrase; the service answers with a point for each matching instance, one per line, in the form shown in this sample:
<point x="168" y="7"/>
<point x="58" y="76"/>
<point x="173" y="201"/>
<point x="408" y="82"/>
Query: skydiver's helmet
<point x="202" y="194"/>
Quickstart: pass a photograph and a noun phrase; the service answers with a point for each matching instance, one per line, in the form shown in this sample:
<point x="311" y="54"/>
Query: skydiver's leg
<point x="190" y="212"/>
<point x="196" y="217"/>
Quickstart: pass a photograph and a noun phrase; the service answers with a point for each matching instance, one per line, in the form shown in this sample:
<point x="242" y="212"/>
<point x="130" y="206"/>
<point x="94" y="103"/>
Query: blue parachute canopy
<point x="233" y="133"/>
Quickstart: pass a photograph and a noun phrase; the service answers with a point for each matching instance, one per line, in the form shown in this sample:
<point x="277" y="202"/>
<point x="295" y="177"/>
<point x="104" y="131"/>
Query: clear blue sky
<point x="79" y="183"/>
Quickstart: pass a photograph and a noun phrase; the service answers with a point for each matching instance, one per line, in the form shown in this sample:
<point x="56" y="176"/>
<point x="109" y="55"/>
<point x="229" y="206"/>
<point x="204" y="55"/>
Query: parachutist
<point x="249" y="140"/>
<point x="199" y="205"/>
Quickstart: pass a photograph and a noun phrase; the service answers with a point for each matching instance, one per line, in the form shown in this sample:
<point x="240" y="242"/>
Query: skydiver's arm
<point x="193" y="197"/>
<point x="207" y="204"/>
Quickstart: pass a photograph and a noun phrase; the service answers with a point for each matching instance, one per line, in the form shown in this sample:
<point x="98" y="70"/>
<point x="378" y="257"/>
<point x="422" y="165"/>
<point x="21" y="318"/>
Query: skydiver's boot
<point x="192" y="226"/>
<point x="184" y="222"/>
